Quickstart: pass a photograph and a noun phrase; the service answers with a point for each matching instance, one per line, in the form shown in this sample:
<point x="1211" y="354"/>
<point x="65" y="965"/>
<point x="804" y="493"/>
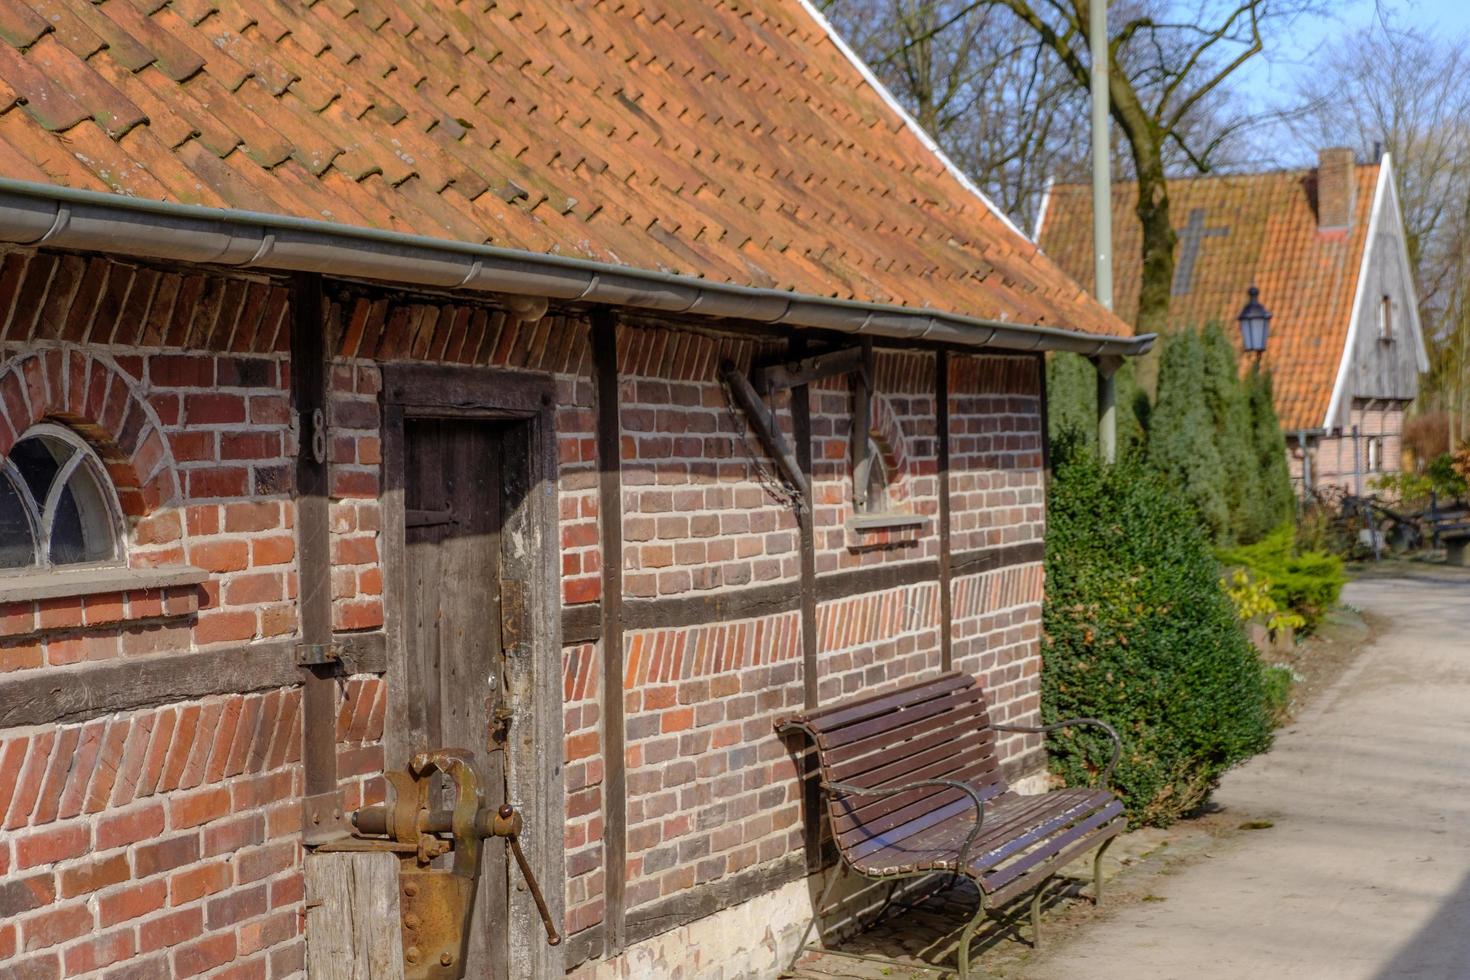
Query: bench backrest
<point x="932" y="729"/>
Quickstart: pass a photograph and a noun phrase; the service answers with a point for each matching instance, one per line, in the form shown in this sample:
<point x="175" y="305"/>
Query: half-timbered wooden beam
<point x="781" y="377"/>
<point x="764" y="421"/>
<point x="614" y="731"/>
<point x="322" y="815"/>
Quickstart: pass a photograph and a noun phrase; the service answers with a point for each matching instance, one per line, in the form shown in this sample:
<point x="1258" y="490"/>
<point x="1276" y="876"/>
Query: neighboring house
<point x="396" y="333"/>
<point x="1326" y="247"/>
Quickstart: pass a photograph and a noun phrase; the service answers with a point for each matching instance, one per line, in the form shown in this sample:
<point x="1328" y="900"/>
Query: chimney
<point x="1336" y="188"/>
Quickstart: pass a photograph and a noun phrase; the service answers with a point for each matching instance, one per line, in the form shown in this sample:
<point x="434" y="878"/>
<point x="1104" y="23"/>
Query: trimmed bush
<point x="1138" y="632"/>
<point x="1071" y="402"/>
<point x="1230" y="414"/>
<point x="1181" y="442"/>
<point x="1308" y="583"/>
<point x="1273" y="501"/>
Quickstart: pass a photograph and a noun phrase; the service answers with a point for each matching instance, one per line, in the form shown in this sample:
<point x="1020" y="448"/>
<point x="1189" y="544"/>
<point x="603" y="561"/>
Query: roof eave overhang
<point x="43" y="215"/>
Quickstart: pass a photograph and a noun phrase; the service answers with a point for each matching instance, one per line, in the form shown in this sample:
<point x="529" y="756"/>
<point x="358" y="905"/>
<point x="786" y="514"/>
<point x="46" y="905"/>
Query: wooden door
<point x="454" y="507"/>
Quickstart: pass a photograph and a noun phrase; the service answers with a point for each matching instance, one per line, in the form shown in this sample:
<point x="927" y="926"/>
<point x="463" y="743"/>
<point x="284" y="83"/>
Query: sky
<point x="1285" y="60"/>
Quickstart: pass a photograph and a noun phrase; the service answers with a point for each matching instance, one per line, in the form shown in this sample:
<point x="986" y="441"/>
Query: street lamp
<point x="1255" y="324"/>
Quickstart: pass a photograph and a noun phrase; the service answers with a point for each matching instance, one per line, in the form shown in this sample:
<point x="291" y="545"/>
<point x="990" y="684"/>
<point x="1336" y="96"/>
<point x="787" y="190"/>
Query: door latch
<point x="436" y="905"/>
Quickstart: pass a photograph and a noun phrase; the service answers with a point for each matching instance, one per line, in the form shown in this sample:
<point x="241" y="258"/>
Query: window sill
<point x="33" y="586"/>
<point x="884" y="522"/>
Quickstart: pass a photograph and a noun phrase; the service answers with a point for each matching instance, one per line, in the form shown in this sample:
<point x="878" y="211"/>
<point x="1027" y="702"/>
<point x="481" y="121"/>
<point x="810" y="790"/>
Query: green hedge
<point x="1138" y="632"/>
<point x="1307" y="584"/>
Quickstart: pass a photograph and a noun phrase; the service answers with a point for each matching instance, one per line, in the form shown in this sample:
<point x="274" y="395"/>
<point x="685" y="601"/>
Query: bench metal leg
<point x="818" y="911"/>
<point x="1097" y="881"/>
<point x="1036" y="913"/>
<point x="969" y="934"/>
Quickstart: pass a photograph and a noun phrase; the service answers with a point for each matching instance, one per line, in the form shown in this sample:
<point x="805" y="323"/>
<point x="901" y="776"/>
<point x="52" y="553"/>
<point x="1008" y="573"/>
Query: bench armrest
<point x="1107" y="774"/>
<point x="846" y="789"/>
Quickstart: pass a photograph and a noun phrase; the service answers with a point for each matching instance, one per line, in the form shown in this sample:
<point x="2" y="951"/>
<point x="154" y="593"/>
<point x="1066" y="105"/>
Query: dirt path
<point x="1364" y="869"/>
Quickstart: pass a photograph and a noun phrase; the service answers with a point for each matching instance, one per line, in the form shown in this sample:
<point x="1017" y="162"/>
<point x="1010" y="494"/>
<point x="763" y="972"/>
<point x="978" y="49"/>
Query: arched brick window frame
<point x="885" y="430"/>
<point x="91" y="395"/>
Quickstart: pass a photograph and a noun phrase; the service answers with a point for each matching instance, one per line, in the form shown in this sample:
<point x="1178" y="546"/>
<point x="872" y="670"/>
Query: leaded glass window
<point x="57" y="506"/>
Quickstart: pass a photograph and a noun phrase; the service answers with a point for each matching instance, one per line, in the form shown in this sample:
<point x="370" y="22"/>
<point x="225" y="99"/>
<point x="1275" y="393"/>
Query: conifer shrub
<point x="1071" y="402"/>
<point x="1307" y="582"/>
<point x="1137" y="631"/>
<point x="1274" y="501"/>
<point x="1181" y="441"/>
<point x="1230" y="416"/>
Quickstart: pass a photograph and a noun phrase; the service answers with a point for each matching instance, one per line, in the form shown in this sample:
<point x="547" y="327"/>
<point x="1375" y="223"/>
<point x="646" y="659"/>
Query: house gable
<point x="1384" y="352"/>
<point x="1236" y="230"/>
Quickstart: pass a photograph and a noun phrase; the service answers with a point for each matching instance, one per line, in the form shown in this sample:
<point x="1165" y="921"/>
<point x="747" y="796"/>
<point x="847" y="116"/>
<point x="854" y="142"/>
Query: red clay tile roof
<point x="1253" y="228"/>
<point x="729" y="139"/>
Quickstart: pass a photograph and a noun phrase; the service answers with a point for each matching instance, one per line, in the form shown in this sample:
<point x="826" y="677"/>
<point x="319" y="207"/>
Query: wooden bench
<point x="914" y="787"/>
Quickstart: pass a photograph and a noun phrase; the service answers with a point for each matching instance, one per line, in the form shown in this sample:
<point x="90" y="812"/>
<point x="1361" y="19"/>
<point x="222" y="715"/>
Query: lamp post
<point x="1255" y="325"/>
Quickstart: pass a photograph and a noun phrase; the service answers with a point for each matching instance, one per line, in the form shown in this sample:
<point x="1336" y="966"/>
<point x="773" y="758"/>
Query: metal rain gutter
<point x="43" y="215"/>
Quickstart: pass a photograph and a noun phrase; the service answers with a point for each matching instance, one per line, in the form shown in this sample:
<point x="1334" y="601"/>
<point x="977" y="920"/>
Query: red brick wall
<point x="1332" y="456"/>
<point x="165" y="841"/>
<point x="998" y="497"/>
<point x="182" y="382"/>
<point x="167" y="837"/>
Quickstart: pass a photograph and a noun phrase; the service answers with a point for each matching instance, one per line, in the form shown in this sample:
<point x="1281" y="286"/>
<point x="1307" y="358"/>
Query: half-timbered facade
<point x="380" y="378"/>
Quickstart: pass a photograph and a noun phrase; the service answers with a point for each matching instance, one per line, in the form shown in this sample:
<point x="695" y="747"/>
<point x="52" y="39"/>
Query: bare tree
<point x="1170" y="67"/>
<point x="982" y="85"/>
<point x="1409" y="93"/>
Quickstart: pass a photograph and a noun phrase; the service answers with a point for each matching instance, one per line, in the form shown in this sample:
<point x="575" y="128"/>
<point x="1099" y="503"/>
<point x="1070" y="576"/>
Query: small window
<point x="57" y="506"/>
<point x="871" y="480"/>
<point x="1375" y="454"/>
<point x="1385" y="319"/>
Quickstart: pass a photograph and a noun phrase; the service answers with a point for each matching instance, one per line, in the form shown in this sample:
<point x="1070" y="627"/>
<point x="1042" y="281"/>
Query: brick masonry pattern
<point x="168" y="837"/>
<point x="711" y="790"/>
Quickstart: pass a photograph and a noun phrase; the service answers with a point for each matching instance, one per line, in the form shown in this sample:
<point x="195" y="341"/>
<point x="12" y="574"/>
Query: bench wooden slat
<point x="976" y="768"/>
<point x="1019" y="823"/>
<point x="957" y="766"/>
<point x="1049" y="846"/>
<point x="908" y="719"/>
<point x="890" y="814"/>
<point x="880" y="838"/>
<point x="959" y="729"/>
<point x="940" y="847"/>
<point x="1040" y="872"/>
<point x="850" y="712"/>
<point x="1085" y="809"/>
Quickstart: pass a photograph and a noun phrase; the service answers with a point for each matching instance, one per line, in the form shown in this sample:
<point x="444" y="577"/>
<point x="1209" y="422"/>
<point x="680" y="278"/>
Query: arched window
<point x="870" y="481"/>
<point x="57" y="505"/>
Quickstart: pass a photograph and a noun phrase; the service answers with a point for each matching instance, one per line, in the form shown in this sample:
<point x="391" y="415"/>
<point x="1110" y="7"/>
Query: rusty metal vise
<point x="436" y="904"/>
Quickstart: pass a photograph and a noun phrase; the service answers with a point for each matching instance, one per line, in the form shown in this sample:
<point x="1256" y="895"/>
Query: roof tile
<point x="70" y="27"/>
<point x="20" y="26"/>
<point x="733" y="141"/>
<point x="46" y="101"/>
<point x="1250" y="229"/>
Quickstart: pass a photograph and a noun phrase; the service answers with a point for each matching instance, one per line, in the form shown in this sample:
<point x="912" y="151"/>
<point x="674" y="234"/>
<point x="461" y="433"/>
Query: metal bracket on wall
<point x="322" y="819"/>
<point x="318" y="654"/>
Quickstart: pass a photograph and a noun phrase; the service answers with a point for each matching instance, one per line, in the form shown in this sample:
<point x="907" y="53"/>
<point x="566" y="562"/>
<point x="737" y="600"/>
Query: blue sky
<point x="1270" y="80"/>
<point x="1285" y="59"/>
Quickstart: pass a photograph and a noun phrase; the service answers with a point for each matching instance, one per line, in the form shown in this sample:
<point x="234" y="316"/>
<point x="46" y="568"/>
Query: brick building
<point x="366" y="387"/>
<point x="1327" y="248"/>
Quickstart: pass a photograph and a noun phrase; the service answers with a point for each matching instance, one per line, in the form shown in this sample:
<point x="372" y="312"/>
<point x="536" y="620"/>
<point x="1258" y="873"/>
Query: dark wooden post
<point x="322" y="817"/>
<point x="801" y="431"/>
<point x="610" y="526"/>
<point x="941" y="435"/>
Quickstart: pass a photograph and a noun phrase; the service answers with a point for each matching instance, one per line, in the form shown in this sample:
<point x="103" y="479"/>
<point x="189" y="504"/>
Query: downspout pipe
<point x="42" y="215"/>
